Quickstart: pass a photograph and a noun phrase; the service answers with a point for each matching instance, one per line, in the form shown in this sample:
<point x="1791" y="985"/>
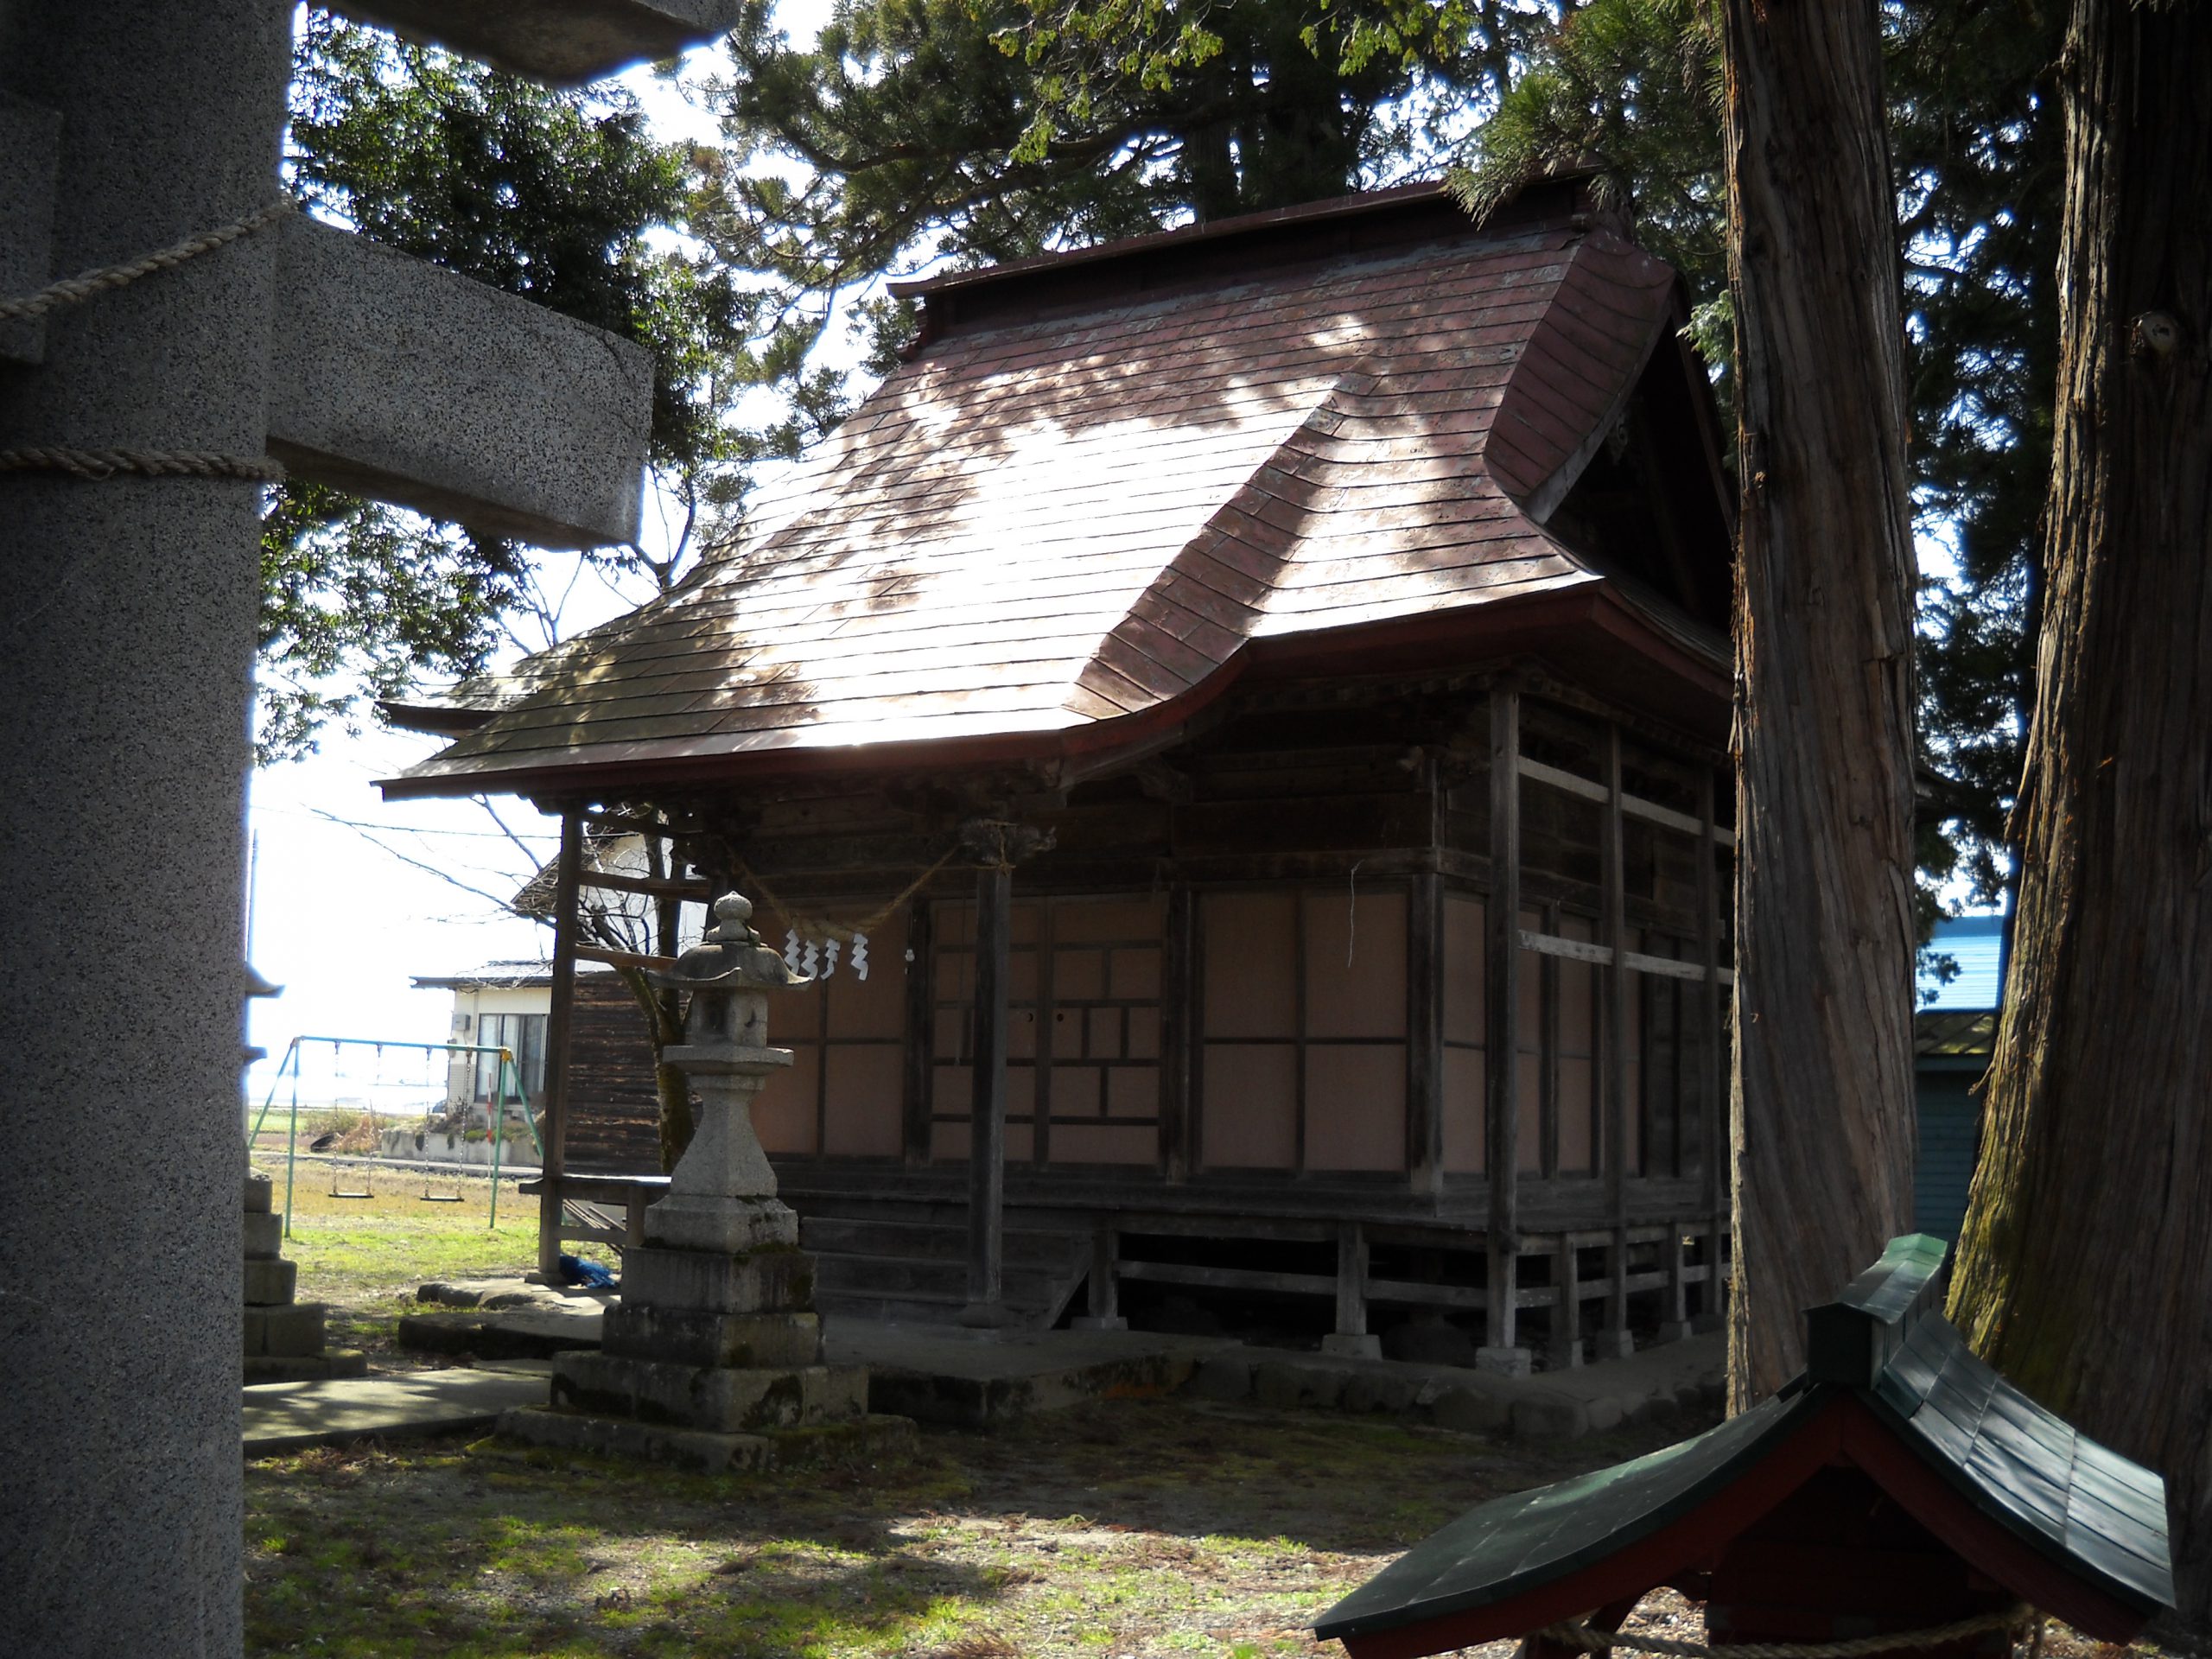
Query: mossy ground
<point x="1143" y="1528"/>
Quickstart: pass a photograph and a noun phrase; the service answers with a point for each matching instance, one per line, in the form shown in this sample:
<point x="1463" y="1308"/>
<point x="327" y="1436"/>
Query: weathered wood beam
<point x="1350" y="1335"/>
<point x="1178" y="1036"/>
<point x="659" y="886"/>
<point x="1103" y="1298"/>
<point x="1613" y="1340"/>
<point x="624" y="958"/>
<point x="1424" y="1034"/>
<point x="1501" y="1349"/>
<point x="1567" y="1305"/>
<point x="553" y="1134"/>
<point x="918" y="1056"/>
<point x="1551" y="944"/>
<point x="986" y="1111"/>
<point x="1634" y="805"/>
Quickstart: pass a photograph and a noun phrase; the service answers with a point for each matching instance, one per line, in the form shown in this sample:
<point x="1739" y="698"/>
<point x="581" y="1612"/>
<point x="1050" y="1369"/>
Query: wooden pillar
<point x="1547" y="1046"/>
<point x="1501" y="1351"/>
<point x="1103" y="1297"/>
<point x="1566" y="1306"/>
<point x="1613" y="1340"/>
<point x="1675" y="1313"/>
<point x="987" y="1112"/>
<point x="1179" y="994"/>
<point x="1719" y="1129"/>
<point x="1425" y="1036"/>
<point x="1350" y="1335"/>
<point x="917" y="1076"/>
<point x="554" y="1133"/>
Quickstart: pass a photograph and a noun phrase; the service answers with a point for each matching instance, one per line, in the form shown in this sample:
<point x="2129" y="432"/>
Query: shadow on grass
<point x="442" y="1549"/>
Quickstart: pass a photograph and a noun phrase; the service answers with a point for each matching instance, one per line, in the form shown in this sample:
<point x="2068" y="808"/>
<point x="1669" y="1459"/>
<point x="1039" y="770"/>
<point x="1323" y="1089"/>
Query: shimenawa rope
<point x="1580" y="1635"/>
<point x="151" y="463"/>
<point x="72" y="290"/>
<point x="97" y="464"/>
<point x="820" y="929"/>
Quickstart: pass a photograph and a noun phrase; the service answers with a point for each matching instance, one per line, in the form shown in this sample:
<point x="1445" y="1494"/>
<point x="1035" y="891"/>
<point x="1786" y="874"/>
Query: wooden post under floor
<point x="1350" y="1335"/>
<point x="555" y="1130"/>
<point x="1566" y="1306"/>
<point x="1501" y="1351"/>
<point x="1103" y="1298"/>
<point x="986" y="1114"/>
<point x="1612" y="1340"/>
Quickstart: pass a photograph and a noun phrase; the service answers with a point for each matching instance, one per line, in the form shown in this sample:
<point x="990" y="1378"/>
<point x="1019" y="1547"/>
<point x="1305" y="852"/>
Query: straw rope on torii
<point x="97" y="464"/>
<point x="2018" y="1619"/>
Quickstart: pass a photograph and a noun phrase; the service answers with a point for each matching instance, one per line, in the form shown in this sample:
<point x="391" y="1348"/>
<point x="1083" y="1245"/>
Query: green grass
<point x="1145" y="1528"/>
<point x="1137" y="1528"/>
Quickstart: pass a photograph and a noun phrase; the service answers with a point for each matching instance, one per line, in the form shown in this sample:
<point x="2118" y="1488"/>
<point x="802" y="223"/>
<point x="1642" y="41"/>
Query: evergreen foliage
<point x="1630" y="87"/>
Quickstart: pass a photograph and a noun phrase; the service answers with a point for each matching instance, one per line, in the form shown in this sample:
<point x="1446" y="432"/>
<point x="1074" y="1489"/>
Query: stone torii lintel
<point x="560" y="42"/>
<point x="397" y="380"/>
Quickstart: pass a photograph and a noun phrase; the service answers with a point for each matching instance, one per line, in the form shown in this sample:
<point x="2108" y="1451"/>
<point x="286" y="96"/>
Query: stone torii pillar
<point x="129" y="592"/>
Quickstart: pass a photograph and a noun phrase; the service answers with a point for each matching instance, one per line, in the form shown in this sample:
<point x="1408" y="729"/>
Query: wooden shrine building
<point x="1898" y="1494"/>
<point x="1237" y="721"/>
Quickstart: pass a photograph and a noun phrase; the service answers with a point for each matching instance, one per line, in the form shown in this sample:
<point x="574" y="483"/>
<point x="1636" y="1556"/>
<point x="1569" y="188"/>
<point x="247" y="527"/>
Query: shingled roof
<point x="1103" y="481"/>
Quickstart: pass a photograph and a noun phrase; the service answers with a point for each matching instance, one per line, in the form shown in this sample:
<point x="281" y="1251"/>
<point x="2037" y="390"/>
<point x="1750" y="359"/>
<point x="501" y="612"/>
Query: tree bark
<point x="1822" y="1124"/>
<point x="2087" y="1251"/>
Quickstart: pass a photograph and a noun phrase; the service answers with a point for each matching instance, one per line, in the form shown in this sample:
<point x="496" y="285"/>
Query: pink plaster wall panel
<point x="783" y="1112"/>
<point x="1251" y="962"/>
<point x="1105" y="1143"/>
<point x="1133" y="974"/>
<point x="1465" y="1127"/>
<point x="1356" y="965"/>
<point x="860" y="1100"/>
<point x="1250" y="1103"/>
<point x="1133" y="1091"/>
<point x="1355" y="1107"/>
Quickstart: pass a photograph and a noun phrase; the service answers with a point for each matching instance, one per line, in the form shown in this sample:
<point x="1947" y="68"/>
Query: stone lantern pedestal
<point x="713" y="1358"/>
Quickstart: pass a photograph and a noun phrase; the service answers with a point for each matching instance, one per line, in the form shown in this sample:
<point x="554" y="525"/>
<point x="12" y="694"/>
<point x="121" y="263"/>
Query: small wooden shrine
<point x="1898" y="1488"/>
<point x="1235" y="729"/>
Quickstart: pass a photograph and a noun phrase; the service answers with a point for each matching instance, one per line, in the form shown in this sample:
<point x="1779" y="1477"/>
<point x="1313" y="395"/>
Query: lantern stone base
<point x="713" y="1360"/>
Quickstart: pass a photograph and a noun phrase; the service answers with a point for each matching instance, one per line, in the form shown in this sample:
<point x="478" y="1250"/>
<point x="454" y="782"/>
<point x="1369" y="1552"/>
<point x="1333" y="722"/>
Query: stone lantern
<point x="713" y="1356"/>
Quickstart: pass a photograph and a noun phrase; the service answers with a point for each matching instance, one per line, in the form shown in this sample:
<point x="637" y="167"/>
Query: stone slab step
<point x="531" y="1332"/>
<point x="304" y="1368"/>
<point x="291" y="1417"/>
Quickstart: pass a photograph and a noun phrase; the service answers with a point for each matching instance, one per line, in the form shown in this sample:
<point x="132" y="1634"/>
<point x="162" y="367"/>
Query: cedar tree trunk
<point x="1821" y="1118"/>
<point x="2085" y="1270"/>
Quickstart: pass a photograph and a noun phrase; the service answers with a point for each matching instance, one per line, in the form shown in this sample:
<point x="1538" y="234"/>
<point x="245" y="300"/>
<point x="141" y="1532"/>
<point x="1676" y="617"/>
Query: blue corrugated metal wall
<point x="1949" y="1120"/>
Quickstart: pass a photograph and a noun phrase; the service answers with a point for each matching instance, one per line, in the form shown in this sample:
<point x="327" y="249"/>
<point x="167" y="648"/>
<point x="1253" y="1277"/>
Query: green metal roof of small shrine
<point x="2085" y="1509"/>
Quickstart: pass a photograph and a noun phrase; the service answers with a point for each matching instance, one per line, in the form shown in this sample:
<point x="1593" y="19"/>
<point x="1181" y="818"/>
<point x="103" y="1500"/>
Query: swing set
<point x="508" y="1092"/>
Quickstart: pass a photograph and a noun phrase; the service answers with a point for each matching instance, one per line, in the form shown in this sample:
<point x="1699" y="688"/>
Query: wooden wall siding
<point x="613" y="1113"/>
<point x="1084" y="1043"/>
<point x="1303" y="1028"/>
<point x="841" y="1096"/>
